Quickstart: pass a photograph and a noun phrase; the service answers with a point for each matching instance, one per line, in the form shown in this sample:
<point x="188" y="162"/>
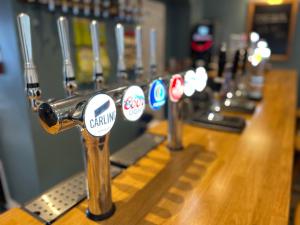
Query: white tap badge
<point x="100" y="115"/>
<point x="133" y="103"/>
<point x="201" y="76"/>
<point x="190" y="83"/>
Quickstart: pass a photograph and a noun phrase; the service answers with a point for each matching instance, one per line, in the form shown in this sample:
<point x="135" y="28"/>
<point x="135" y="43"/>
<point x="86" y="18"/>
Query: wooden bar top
<point x="234" y="179"/>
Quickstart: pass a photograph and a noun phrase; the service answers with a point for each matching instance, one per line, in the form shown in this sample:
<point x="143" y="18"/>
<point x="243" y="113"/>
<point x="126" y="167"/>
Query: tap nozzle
<point x="68" y="71"/>
<point x="31" y="77"/>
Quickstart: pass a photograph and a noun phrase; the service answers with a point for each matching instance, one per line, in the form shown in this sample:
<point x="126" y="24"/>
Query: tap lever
<point x="139" y="60"/>
<point x="153" y="64"/>
<point x="121" y="70"/>
<point x="31" y="77"/>
<point x="68" y="71"/>
<point x="98" y="71"/>
<point x="222" y="60"/>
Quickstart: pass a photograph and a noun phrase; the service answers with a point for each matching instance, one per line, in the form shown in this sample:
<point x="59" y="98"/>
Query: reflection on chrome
<point x="227" y="102"/>
<point x="229" y="95"/>
<point x="211" y="116"/>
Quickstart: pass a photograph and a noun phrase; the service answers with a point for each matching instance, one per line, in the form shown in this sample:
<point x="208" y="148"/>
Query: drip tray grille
<point x="61" y="198"/>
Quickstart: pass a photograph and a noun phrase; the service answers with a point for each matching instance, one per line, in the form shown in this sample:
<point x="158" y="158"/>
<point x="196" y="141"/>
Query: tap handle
<point x="51" y="5"/>
<point x="31" y="77"/>
<point x="138" y="43"/>
<point x="25" y="38"/>
<point x="68" y="71"/>
<point x="98" y="71"/>
<point x="235" y="64"/>
<point x="153" y="64"/>
<point x="121" y="70"/>
<point x="87" y="7"/>
<point x="222" y="60"/>
<point x="97" y="10"/>
<point x="63" y="32"/>
<point x="244" y="60"/>
<point x="75" y="7"/>
<point x="64" y="6"/>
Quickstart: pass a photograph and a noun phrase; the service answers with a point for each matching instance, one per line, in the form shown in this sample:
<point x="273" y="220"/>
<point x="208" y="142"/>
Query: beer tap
<point x="139" y="61"/>
<point x="244" y="53"/>
<point x="75" y="7"/>
<point x="97" y="148"/>
<point x="68" y="72"/>
<point x="121" y="9"/>
<point x="97" y="10"/>
<point x="222" y="60"/>
<point x="98" y="70"/>
<point x="232" y="102"/>
<point x="121" y="67"/>
<point x="175" y="126"/>
<point x="153" y="64"/>
<point x="51" y="5"/>
<point x="212" y="117"/>
<point x="105" y="8"/>
<point x="31" y="77"/>
<point x="64" y="6"/>
<point x="87" y="7"/>
<point x="80" y="110"/>
<point x="216" y="106"/>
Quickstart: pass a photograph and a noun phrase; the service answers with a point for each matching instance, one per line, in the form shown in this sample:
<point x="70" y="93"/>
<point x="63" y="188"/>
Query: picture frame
<point x="276" y="23"/>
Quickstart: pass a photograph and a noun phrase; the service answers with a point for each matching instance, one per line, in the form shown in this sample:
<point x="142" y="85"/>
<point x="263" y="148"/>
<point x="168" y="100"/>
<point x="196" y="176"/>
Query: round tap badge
<point x="157" y="94"/>
<point x="100" y="115"/>
<point x="201" y="77"/>
<point x="133" y="103"/>
<point x="176" y="88"/>
<point x="190" y="83"/>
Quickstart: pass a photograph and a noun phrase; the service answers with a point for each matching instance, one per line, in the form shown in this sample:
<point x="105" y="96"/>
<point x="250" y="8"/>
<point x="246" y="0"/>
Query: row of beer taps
<point x="59" y="115"/>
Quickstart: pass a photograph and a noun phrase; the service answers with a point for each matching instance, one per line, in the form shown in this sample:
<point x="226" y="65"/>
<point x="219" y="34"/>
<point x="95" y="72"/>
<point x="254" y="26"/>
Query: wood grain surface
<point x="235" y="179"/>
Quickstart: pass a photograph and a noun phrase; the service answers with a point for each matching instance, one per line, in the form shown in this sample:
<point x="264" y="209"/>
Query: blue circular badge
<point x="157" y="94"/>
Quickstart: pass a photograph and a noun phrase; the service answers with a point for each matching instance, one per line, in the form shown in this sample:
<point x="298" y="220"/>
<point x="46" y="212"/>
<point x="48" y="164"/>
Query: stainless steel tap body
<point x="61" y="115"/>
<point x="174" y="126"/>
<point x="97" y="169"/>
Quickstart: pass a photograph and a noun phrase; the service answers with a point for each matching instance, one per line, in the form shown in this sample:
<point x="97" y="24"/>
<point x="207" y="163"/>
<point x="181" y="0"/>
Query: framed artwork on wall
<point x="276" y="24"/>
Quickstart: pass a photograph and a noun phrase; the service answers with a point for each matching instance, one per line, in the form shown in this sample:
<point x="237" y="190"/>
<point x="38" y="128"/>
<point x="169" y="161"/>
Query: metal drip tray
<point x="239" y="105"/>
<point x="255" y="95"/>
<point x="222" y="123"/>
<point x="132" y="152"/>
<point x="61" y="198"/>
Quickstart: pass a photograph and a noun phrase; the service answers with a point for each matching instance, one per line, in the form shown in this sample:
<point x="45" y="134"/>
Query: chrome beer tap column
<point x="97" y="151"/>
<point x="94" y="113"/>
<point x="175" y="117"/>
<point x="32" y="88"/>
<point x="175" y="126"/>
<point x="68" y="71"/>
<point x="96" y="148"/>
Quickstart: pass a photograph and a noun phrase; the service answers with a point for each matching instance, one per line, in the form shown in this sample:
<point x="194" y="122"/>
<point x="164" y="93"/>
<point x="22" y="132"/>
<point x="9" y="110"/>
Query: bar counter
<point x="232" y="179"/>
